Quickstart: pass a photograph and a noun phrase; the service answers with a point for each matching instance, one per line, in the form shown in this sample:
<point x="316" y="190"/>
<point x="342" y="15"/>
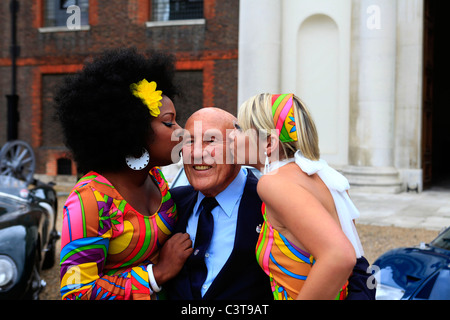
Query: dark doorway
<point x="436" y="97"/>
<point x="64" y="166"/>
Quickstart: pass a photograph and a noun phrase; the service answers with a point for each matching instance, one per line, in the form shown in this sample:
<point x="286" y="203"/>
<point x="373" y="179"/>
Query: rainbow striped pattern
<point x="283" y="117"/>
<point x="106" y="244"/>
<point x="286" y="265"/>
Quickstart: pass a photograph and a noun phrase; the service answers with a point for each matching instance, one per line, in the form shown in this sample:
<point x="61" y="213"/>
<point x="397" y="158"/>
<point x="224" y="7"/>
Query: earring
<point x="138" y="163"/>
<point x="266" y="164"/>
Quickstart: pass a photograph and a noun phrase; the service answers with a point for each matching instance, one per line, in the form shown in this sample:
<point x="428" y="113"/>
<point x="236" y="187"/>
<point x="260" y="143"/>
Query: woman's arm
<point x="305" y="219"/>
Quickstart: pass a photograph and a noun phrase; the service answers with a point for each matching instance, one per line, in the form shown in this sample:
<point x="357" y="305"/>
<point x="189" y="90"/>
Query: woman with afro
<point x="118" y="117"/>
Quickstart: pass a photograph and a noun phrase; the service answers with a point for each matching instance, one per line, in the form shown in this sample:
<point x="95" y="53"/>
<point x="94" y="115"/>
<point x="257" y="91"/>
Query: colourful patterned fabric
<point x="286" y="265"/>
<point x="283" y="117"/>
<point x="106" y="245"/>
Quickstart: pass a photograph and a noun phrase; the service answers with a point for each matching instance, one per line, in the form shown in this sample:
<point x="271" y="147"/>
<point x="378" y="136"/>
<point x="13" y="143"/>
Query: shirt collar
<point x="228" y="198"/>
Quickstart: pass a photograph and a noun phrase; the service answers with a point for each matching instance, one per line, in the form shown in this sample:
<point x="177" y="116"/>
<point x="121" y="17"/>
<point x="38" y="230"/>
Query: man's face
<point x="206" y="154"/>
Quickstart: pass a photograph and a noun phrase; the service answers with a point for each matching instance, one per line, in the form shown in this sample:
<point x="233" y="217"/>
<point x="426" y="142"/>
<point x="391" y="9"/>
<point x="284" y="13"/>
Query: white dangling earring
<point x="138" y="163"/>
<point x="266" y="164"/>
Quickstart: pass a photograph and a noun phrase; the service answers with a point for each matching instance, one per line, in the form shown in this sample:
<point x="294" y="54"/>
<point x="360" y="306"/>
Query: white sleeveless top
<point x="338" y="185"/>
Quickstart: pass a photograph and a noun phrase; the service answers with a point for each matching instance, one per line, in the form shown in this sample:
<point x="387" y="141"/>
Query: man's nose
<point x="197" y="152"/>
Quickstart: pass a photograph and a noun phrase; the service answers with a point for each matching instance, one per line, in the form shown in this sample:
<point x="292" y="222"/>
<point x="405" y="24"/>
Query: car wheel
<point x="36" y="284"/>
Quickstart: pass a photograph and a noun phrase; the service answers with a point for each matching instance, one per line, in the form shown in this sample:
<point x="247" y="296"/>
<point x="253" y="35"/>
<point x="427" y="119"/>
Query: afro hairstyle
<point x="102" y="121"/>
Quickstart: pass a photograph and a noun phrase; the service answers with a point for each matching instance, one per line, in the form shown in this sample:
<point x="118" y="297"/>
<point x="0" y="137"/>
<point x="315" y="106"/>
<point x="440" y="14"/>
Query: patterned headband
<point x="283" y="117"/>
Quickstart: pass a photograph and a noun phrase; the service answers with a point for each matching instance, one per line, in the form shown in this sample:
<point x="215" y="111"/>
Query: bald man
<point x="232" y="271"/>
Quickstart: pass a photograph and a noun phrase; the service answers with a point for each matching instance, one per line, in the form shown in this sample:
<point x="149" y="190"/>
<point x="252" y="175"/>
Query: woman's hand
<point x="172" y="257"/>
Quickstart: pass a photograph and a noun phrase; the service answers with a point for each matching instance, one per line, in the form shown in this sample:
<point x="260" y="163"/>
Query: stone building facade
<point x="369" y="70"/>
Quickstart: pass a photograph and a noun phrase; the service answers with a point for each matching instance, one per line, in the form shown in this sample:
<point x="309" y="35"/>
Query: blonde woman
<point x="308" y="244"/>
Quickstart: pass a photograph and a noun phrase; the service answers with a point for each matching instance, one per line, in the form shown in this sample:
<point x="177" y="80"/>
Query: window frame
<point x="61" y="28"/>
<point x="175" y="22"/>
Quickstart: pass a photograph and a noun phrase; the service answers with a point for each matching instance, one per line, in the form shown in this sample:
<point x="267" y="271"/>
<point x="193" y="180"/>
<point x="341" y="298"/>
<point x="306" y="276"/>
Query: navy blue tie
<point x="205" y="227"/>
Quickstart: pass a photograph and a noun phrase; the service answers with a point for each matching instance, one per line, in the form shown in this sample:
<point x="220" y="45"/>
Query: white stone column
<point x="409" y="106"/>
<point x="371" y="145"/>
<point x="259" y="47"/>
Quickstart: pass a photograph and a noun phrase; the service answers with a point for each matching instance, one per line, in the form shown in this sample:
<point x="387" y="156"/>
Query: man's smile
<point x="202" y="167"/>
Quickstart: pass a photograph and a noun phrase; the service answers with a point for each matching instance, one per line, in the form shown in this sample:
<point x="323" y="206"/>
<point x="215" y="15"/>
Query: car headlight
<point x="385" y="292"/>
<point x="8" y="272"/>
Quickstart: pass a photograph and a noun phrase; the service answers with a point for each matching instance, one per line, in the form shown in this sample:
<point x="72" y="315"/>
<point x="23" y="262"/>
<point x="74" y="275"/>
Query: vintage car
<point x="415" y="273"/>
<point x="27" y="224"/>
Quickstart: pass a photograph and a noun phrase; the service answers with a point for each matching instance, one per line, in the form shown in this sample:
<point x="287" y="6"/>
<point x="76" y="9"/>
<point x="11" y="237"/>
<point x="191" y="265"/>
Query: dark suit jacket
<point x="358" y="283"/>
<point x="241" y="278"/>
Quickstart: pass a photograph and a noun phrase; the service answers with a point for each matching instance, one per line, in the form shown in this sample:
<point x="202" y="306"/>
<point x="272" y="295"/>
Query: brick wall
<point x="206" y="60"/>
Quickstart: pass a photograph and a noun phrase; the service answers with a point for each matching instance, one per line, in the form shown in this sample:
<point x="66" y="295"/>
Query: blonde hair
<point x="256" y="113"/>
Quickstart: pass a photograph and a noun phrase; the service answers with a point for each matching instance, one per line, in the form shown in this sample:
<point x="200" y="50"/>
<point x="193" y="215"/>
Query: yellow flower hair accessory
<point x="146" y="91"/>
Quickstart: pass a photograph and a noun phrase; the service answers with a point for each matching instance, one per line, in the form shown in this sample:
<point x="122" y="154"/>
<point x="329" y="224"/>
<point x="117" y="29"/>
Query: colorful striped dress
<point x="106" y="245"/>
<point x="286" y="265"/>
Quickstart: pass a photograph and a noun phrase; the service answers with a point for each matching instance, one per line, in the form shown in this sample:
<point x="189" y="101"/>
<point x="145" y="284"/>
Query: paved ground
<point x="427" y="210"/>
